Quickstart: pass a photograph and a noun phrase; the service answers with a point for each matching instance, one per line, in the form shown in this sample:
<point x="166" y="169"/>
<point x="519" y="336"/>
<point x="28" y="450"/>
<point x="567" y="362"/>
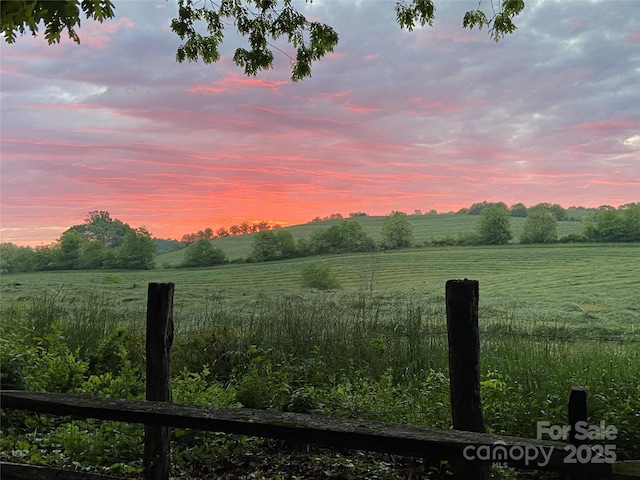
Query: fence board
<point x="407" y="440"/>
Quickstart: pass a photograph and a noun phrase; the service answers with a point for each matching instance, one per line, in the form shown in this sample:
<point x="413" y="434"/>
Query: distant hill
<point x="426" y="228"/>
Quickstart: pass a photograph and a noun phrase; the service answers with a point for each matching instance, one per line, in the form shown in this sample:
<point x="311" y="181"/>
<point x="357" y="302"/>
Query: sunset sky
<point x="437" y="118"/>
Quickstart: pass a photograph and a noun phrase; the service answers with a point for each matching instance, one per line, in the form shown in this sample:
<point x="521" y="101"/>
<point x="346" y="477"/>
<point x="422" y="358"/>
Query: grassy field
<point x="425" y="227"/>
<point x="590" y="286"/>
<point x="551" y="317"/>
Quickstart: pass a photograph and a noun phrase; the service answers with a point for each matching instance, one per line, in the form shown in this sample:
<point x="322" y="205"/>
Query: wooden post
<point x="577" y="413"/>
<point x="464" y="366"/>
<point x="464" y="354"/>
<point x="159" y="339"/>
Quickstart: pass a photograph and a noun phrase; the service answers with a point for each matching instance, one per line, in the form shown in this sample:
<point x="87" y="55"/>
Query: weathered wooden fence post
<point x="157" y="462"/>
<point x="577" y="412"/>
<point x="464" y="365"/>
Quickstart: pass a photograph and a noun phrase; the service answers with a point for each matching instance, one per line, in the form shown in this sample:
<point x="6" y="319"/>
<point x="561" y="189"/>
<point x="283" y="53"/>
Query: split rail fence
<point x="159" y="414"/>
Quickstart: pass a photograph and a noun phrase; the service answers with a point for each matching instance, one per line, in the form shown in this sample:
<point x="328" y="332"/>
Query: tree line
<point x="573" y="213"/>
<point x="492" y="228"/>
<point x="242" y="229"/>
<point x="99" y="243"/>
<point x="348" y="236"/>
<point x="602" y="224"/>
<point x="105" y="243"/>
<point x="518" y="209"/>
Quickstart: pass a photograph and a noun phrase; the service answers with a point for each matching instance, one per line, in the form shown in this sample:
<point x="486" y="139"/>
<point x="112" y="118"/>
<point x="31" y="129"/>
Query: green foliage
<point x="518" y="210"/>
<point x="269" y="245"/>
<point x="94" y="255"/>
<point x="112" y="279"/>
<point x="67" y="255"/>
<point x="494" y="226"/>
<point x="98" y="226"/>
<point x="558" y="211"/>
<point x="631" y="221"/>
<point x="466" y="239"/>
<point x="17" y="259"/>
<point x="258" y="21"/>
<point x="110" y="356"/>
<point x="39" y="360"/>
<point x="573" y="238"/>
<point x="540" y="226"/>
<point x="476" y="208"/>
<point x="22" y="16"/>
<point x="500" y="24"/>
<point x="397" y="231"/>
<point x="98" y="243"/>
<point x="167" y="245"/>
<point x="203" y="254"/>
<point x="219" y="349"/>
<point x="137" y="251"/>
<point x="611" y="225"/>
<point x="319" y="276"/>
<point x="421" y="11"/>
<point x="346" y="236"/>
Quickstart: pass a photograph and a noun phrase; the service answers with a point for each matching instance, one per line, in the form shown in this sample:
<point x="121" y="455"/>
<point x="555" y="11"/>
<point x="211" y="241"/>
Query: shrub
<point x="573" y="238"/>
<point x="347" y="236"/>
<point x="397" y="231"/>
<point x="494" y="226"/>
<point x="541" y="226"/>
<point x="112" y="279"/>
<point x="320" y="277"/>
<point x="203" y="254"/>
<point x="219" y="348"/>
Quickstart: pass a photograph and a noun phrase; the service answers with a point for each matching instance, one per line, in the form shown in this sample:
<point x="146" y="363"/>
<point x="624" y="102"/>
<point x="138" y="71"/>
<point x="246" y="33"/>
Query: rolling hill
<point x="425" y="227"/>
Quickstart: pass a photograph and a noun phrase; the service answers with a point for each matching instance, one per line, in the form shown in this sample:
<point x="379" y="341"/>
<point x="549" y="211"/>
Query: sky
<point x="437" y="118"/>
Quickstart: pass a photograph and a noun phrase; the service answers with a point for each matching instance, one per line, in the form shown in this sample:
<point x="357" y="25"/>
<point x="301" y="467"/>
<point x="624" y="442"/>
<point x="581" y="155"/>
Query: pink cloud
<point x="352" y="107"/>
<point x="606" y="126"/>
<point x="100" y="34"/>
<point x="429" y="106"/>
<point x="632" y="37"/>
<point x="234" y="83"/>
<point x="333" y="95"/>
<point x="437" y="118"/>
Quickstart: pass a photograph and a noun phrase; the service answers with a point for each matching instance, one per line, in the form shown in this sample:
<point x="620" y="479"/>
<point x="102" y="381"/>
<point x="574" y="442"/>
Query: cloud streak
<point x="437" y="118"/>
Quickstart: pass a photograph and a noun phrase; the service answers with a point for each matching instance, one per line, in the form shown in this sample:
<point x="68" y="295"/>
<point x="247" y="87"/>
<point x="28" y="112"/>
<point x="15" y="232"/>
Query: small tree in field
<point x="137" y="251"/>
<point x="494" y="225"/>
<point x="541" y="226"/>
<point x="203" y="254"/>
<point x="397" y="231"/>
<point x="320" y="277"/>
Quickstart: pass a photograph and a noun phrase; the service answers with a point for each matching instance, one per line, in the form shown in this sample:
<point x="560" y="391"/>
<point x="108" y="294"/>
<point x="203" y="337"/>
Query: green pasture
<point x="591" y="287"/>
<point x="425" y="227"/>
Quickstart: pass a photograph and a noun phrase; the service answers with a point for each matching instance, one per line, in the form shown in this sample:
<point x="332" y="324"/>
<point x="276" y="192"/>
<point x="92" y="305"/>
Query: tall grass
<point x="347" y="330"/>
<point x="83" y="321"/>
<point x="526" y="374"/>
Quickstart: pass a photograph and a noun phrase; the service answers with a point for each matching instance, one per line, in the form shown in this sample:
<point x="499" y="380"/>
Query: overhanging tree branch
<point x="201" y="25"/>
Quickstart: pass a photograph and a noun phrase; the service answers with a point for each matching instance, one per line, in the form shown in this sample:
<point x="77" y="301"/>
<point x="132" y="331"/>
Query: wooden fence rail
<point x="399" y="439"/>
<point x="158" y="414"/>
<point x="383" y="437"/>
